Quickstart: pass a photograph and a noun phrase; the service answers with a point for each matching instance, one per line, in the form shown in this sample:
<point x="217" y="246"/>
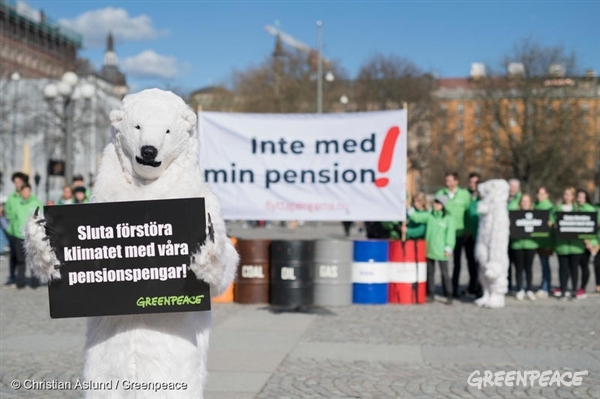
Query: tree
<point x="388" y="82"/>
<point x="534" y="122"/>
<point x="285" y="84"/>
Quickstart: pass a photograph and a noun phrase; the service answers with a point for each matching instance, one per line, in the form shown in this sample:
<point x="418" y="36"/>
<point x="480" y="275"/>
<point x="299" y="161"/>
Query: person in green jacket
<point x="474" y="289"/>
<point x="583" y="202"/>
<point x="410" y="230"/>
<point x="596" y="251"/>
<point x="18" y="179"/>
<point x="545" y="244"/>
<point x="459" y="200"/>
<point x="514" y="197"/>
<point x="21" y="213"/>
<point x="440" y="238"/>
<point x="524" y="251"/>
<point x="569" y="251"/>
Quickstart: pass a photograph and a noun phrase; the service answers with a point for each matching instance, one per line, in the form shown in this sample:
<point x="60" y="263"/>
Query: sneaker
<point x="580" y="294"/>
<point x="541" y="294"/>
<point x="556" y="292"/>
<point x="531" y="296"/>
<point x="520" y="295"/>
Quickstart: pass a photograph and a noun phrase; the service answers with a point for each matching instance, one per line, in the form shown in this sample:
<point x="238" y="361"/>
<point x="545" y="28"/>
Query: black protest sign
<point x="576" y="225"/>
<point x="126" y="257"/>
<point x="529" y="224"/>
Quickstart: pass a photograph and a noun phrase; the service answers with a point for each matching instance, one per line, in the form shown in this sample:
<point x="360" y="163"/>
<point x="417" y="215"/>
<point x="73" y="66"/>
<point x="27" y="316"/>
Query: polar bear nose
<point x="149" y="152"/>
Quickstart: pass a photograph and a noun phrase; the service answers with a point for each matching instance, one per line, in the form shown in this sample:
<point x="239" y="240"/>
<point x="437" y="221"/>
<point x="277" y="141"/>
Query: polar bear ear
<point x="116" y="116"/>
<point x="189" y="119"/>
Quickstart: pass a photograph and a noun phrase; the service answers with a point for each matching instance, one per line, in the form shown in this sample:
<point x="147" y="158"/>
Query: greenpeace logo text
<point x="528" y="378"/>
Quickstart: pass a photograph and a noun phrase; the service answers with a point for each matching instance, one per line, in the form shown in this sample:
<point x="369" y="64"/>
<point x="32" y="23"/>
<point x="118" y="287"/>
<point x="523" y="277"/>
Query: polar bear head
<point x="152" y="128"/>
<point x="494" y="191"/>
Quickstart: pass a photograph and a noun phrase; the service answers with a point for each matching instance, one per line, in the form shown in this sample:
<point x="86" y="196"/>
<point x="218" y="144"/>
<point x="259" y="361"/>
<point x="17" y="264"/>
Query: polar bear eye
<point x="168" y="130"/>
<point x="137" y="127"/>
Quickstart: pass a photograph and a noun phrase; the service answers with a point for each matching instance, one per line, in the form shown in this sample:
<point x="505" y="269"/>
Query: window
<point x="477" y="153"/>
<point x="513" y="109"/>
<point x="477" y="109"/>
<point x="512" y="122"/>
<point x="460" y="108"/>
<point x="530" y="109"/>
<point x="478" y="138"/>
<point x="495" y="126"/>
<point x="585" y="107"/>
<point x="585" y="121"/>
<point x="459" y="125"/>
<point x="477" y="122"/>
<point x="460" y="138"/>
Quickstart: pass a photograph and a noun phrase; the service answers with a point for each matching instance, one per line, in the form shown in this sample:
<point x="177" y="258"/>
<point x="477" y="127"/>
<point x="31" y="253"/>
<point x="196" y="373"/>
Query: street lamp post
<point x="320" y="67"/>
<point x="15" y="77"/>
<point x="68" y="91"/>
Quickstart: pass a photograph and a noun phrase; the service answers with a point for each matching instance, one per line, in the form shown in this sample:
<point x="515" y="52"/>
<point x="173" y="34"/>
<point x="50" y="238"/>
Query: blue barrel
<point x="370" y="272"/>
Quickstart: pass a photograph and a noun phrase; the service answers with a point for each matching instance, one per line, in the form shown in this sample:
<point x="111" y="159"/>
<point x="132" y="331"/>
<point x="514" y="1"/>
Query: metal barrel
<point x="292" y="273"/>
<point x="333" y="272"/>
<point x="408" y="272"/>
<point x="370" y="274"/>
<point x="252" y="280"/>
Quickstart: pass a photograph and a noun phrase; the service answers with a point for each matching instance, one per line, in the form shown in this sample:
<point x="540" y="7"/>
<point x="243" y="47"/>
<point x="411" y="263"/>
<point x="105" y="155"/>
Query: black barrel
<point x="292" y="273"/>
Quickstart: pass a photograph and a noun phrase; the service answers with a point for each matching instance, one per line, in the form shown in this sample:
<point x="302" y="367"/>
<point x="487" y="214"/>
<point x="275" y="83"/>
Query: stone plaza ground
<point x="357" y="351"/>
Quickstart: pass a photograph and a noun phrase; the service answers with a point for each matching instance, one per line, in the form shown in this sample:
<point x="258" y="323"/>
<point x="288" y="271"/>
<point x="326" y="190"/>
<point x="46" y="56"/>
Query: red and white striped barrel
<point x="408" y="272"/>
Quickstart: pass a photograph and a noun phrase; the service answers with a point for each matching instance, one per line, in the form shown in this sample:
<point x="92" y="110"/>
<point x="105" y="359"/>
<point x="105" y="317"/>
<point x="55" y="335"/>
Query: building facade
<point x="534" y="129"/>
<point x="33" y="45"/>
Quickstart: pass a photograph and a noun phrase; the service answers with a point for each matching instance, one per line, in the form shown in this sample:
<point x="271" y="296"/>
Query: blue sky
<point x="191" y="44"/>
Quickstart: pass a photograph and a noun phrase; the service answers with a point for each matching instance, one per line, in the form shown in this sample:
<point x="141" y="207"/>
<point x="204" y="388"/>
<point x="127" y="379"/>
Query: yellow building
<point x="541" y="130"/>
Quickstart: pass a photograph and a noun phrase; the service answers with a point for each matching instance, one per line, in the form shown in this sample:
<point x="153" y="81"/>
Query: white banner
<point x="346" y="167"/>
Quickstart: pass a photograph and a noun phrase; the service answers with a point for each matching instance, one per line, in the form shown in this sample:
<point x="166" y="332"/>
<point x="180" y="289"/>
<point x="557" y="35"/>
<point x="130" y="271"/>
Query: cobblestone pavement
<point x="380" y="352"/>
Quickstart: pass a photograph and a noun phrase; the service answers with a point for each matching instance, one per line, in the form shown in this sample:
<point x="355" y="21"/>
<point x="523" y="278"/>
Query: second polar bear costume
<point x="153" y="154"/>
<point x="491" y="249"/>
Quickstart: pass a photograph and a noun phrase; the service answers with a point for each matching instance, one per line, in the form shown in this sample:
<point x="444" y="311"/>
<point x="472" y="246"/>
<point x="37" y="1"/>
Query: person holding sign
<point x="524" y="251"/>
<point x="545" y="244"/>
<point x="569" y="250"/>
<point x="585" y="205"/>
<point x="440" y="239"/>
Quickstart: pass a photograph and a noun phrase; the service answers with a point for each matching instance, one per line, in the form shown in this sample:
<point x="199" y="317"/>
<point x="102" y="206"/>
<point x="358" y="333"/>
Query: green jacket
<point x="545" y="242"/>
<point x="416" y="230"/>
<point x="567" y="247"/>
<point x="524" y="243"/>
<point x="513" y="204"/>
<point x="9" y="209"/>
<point x="591" y="208"/>
<point x="472" y="218"/>
<point x="457" y="207"/>
<point x="440" y="234"/>
<point x="20" y="213"/>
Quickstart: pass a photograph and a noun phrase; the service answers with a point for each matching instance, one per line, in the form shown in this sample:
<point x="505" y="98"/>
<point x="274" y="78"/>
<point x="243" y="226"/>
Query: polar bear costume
<point x="491" y="249"/>
<point x="153" y="154"/>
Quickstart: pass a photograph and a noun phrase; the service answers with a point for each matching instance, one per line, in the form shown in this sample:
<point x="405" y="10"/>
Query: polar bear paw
<point x="206" y="262"/>
<point x="483" y="301"/>
<point x="41" y="257"/>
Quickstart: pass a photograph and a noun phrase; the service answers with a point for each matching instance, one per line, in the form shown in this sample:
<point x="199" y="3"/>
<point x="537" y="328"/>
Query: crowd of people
<point x="449" y="227"/>
<point x="21" y="203"/>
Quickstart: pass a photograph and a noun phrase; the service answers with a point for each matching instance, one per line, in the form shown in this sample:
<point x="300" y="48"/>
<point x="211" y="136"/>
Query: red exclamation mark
<point x="387" y="152"/>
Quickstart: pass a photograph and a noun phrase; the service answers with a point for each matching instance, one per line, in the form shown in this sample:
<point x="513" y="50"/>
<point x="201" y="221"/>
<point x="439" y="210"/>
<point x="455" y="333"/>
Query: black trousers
<point x="12" y="240"/>
<point x="21" y="265"/>
<point x="511" y="260"/>
<point x="585" y="268"/>
<point x="474" y="284"/>
<point x="446" y="283"/>
<point x="460" y="242"/>
<point x="524" y="261"/>
<point x="568" y="265"/>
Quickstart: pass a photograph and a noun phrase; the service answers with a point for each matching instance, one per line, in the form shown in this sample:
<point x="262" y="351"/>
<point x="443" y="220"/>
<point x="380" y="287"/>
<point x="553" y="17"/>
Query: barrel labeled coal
<point x="252" y="280"/>
<point x="333" y="272"/>
<point x="370" y="274"/>
<point x="292" y="273"/>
